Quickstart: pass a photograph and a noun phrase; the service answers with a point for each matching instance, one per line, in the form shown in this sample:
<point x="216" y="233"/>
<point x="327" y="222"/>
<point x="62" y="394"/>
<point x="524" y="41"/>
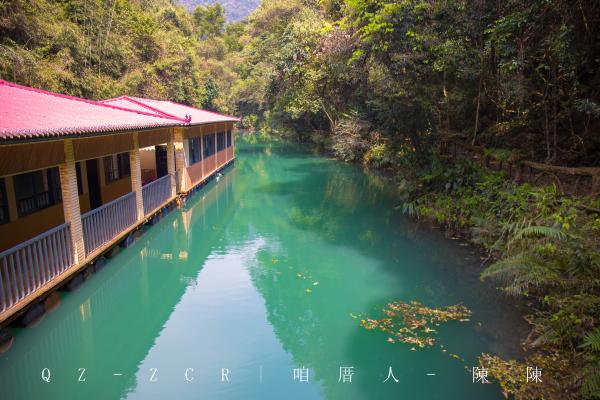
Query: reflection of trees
<point x="294" y="197"/>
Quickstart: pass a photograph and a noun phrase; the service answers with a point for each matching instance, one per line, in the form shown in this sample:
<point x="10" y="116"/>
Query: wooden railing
<point x="156" y="193"/>
<point x="33" y="203"/>
<point x="210" y="164"/>
<point x="221" y="158"/>
<point x="30" y="265"/>
<point x="195" y="174"/>
<point x="105" y="222"/>
<point x="575" y="181"/>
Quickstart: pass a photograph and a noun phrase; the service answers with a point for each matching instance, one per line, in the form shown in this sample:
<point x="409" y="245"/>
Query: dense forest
<point x="381" y="82"/>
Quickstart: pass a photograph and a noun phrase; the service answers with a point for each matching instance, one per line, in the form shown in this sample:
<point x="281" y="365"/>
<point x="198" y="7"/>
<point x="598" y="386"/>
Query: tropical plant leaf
<point x="543" y="231"/>
<point x="519" y="273"/>
<point x="592" y="340"/>
<point x="591" y="383"/>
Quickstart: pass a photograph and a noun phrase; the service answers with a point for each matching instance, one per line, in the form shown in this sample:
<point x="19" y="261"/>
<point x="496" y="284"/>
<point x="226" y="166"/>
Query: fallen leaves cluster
<point x="413" y="323"/>
<point x="556" y="379"/>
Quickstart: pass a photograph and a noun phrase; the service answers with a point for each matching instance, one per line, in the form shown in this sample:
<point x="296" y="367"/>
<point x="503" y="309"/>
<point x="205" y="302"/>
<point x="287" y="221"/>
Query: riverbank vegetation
<point x="381" y="82"/>
<point x="541" y="246"/>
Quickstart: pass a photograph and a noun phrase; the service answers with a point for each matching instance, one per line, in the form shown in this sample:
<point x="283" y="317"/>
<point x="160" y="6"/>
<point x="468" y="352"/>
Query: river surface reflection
<point x="259" y="274"/>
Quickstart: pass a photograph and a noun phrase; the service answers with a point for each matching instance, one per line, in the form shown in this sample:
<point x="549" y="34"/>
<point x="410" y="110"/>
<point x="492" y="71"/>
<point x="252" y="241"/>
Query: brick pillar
<point x="171" y="164"/>
<point x="70" y="197"/>
<point x="136" y="177"/>
<point x="179" y="159"/>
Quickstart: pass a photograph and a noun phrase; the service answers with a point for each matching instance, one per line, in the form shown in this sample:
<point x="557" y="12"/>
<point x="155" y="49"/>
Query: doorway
<point x="93" y="183"/>
<point x="161" y="161"/>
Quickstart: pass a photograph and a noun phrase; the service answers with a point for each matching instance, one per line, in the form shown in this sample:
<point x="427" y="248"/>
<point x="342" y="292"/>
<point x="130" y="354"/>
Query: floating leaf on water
<point x="315" y="283"/>
<point x="308" y="290"/>
<point x="298" y="274"/>
<point x="411" y="323"/>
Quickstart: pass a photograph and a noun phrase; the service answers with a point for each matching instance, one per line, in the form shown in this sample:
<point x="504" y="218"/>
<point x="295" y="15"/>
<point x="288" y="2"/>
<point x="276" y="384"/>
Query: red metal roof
<point x="34" y="113"/>
<point x="169" y="109"/>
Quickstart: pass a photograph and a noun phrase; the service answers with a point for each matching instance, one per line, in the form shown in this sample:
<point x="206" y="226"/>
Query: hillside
<point x="88" y="49"/>
<point x="235" y="10"/>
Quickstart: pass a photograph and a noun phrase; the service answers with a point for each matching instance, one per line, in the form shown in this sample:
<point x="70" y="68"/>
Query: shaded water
<point x="222" y="283"/>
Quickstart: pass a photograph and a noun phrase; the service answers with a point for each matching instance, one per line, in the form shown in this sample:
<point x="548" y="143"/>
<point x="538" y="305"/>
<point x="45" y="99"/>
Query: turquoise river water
<point x="258" y="274"/>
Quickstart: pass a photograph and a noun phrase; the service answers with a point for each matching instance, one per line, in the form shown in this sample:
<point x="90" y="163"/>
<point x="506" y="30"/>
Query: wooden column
<point x="136" y="177"/>
<point x="202" y="150"/>
<point x="216" y="158"/>
<point x="171" y="164"/>
<point x="70" y="196"/>
<point x="13" y="212"/>
<point x="232" y="142"/>
<point x="179" y="159"/>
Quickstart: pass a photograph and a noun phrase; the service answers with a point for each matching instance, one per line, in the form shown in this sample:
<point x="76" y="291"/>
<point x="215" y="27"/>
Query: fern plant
<point x="549" y="232"/>
<point x="591" y="382"/>
<point x="521" y="273"/>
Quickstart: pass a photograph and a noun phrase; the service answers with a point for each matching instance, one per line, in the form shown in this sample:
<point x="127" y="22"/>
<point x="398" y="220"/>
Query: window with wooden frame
<point x="194" y="149"/>
<point x="116" y="167"/>
<point x="4" y="215"/>
<point x="37" y="190"/>
<point x="209" y="145"/>
<point x="220" y="141"/>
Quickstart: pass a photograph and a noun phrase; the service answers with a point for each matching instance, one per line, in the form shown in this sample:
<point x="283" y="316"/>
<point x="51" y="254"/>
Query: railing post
<point x="171" y="164"/>
<point x="70" y="196"/>
<point x="136" y="177"/>
<point x="179" y="158"/>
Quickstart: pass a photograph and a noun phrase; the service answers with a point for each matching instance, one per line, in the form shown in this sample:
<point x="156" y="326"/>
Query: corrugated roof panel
<point x="34" y="113"/>
<point x="170" y="109"/>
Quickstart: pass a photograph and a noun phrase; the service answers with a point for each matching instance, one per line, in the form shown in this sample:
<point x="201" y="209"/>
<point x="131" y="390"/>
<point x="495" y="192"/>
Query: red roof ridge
<point x="139" y="103"/>
<point x="93" y="102"/>
<point x="202" y="109"/>
<point x="112" y="99"/>
<point x="185" y="105"/>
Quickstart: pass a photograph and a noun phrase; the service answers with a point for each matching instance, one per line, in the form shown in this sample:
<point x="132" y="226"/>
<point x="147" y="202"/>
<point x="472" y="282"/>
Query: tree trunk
<point x="477" y="109"/>
<point x="554" y="124"/>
